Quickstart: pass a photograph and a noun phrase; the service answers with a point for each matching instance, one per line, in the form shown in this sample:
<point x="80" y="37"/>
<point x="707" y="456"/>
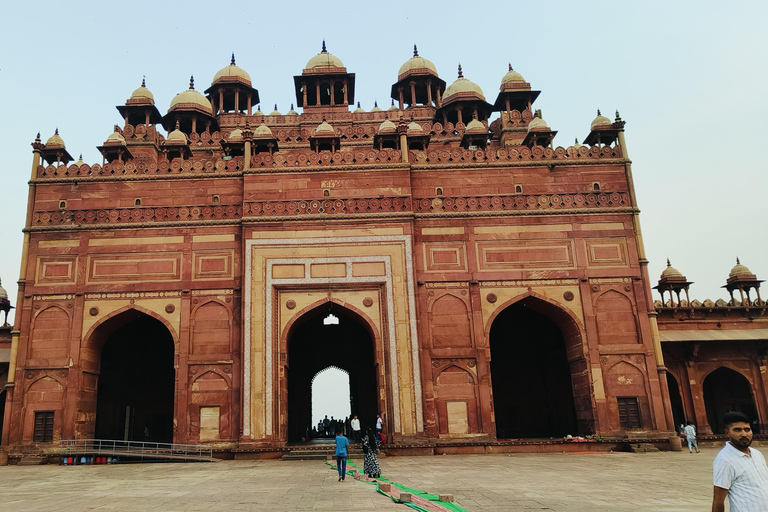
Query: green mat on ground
<point x="449" y="505"/>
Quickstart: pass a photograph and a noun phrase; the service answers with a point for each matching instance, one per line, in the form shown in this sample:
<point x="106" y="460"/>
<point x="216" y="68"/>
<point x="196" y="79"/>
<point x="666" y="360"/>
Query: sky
<point x="689" y="78"/>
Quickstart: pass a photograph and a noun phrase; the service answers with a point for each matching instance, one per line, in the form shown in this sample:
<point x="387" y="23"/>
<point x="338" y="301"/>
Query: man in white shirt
<point x="739" y="471"/>
<point x="355" y="424"/>
<point x="690" y="436"/>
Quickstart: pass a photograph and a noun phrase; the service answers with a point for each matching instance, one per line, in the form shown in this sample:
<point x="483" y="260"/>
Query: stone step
<point x="311" y="456"/>
<point x="642" y="448"/>
<point x="32" y="461"/>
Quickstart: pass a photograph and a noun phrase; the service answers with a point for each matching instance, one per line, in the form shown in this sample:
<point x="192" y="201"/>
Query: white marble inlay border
<point x="348" y="261"/>
<point x="406" y="241"/>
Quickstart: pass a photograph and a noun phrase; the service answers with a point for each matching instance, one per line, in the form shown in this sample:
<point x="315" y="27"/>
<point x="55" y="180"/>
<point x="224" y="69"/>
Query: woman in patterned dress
<point x="370" y="459"/>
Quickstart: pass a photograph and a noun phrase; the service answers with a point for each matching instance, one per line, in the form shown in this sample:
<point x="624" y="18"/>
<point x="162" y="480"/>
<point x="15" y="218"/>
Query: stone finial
<point x="177" y="124"/>
<point x="192" y="82"/>
<point x="737" y="258"/>
<point x="575" y="140"/>
<point x="275" y="106"/>
<point x="618" y="117"/>
<point x="233" y="59"/>
<point x="57" y="132"/>
<point x="358" y="104"/>
<point x="510" y="66"/>
<point x="537" y="113"/>
<point x="324" y="50"/>
<point x="291" y="106"/>
<point x="375" y="104"/>
<point x="668" y="263"/>
<point x="598" y="112"/>
<point x="323" y="114"/>
<point x="393" y="102"/>
<point x="461" y="75"/>
<point x="37" y="137"/>
<point x="247" y="125"/>
<point x="415" y="51"/>
<point x="143" y="80"/>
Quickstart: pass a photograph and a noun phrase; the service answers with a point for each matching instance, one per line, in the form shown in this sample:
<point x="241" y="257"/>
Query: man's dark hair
<point x="689" y="422"/>
<point x="732" y="417"/>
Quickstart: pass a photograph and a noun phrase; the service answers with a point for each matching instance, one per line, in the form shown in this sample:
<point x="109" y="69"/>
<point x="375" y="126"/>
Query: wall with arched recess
<point x="43" y="393"/>
<point x="626" y="379"/>
<point x="456" y="398"/>
<point x="211" y="329"/>
<point x="209" y="410"/>
<point x="450" y="322"/>
<point x="616" y="319"/>
<point x="49" y="343"/>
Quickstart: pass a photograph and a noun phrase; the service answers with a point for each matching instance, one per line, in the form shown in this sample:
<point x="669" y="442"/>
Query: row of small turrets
<point x="740" y="278"/>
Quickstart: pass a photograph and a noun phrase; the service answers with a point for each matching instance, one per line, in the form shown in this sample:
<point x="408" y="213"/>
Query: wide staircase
<point x="321" y="449"/>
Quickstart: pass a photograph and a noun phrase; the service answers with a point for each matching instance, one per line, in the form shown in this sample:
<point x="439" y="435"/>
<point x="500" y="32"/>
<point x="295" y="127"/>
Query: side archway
<point x="128" y="379"/>
<point x="539" y="372"/>
<point x="727" y="390"/>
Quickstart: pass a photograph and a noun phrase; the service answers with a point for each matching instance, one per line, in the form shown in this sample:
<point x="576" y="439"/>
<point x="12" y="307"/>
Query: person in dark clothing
<point x="370" y="458"/>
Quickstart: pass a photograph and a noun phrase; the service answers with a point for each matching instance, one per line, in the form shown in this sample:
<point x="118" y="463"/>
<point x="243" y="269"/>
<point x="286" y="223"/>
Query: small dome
<point x="670" y="271"/>
<point x="462" y="85"/>
<point x="359" y="109"/>
<point x="414" y="128"/>
<point x="79" y="161"/>
<point x="376" y="107"/>
<point x="232" y="73"/>
<point x="177" y="135"/>
<point x="237" y="134"/>
<point x="393" y="107"/>
<point x="740" y="270"/>
<point x="324" y="60"/>
<point x="292" y="112"/>
<point x="475" y="126"/>
<point x="142" y="93"/>
<point x="3" y="293"/>
<point x="538" y="124"/>
<point x="512" y="77"/>
<point x="416" y="63"/>
<point x="191" y="97"/>
<point x="600" y="122"/>
<point x="258" y="111"/>
<point x="55" y="141"/>
<point x="275" y="112"/>
<point x="115" y="136"/>
<point x="387" y="126"/>
<point x="324" y="127"/>
<point x="263" y="132"/>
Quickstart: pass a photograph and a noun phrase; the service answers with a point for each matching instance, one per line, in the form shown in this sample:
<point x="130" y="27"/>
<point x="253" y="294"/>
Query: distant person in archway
<point x="341" y="456"/>
<point x="325" y="425"/>
<point x="370" y="458"/>
<point x="379" y="428"/>
<point x="739" y="471"/>
<point x="355" y="425"/>
<point x="690" y="436"/>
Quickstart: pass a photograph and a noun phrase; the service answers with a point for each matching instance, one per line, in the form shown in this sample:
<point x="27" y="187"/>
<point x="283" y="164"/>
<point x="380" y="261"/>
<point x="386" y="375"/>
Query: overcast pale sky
<point x="689" y="77"/>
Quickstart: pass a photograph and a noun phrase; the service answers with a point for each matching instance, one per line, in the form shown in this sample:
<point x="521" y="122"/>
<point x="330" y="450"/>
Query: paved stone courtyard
<point x="658" y="482"/>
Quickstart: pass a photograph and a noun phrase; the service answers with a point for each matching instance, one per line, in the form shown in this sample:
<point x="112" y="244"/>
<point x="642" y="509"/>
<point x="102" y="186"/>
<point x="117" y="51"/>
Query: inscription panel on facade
<point x="607" y="252"/>
<point x="137" y="267"/>
<point x="57" y="269"/>
<point x="525" y="254"/>
<point x="445" y="256"/>
<point x="213" y="265"/>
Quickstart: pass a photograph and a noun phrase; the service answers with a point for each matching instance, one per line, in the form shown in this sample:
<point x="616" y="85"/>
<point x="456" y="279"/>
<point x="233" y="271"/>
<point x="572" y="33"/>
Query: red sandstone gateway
<point x="491" y="289"/>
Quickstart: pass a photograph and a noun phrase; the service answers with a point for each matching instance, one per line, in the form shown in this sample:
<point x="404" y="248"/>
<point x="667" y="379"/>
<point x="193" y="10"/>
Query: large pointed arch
<point x="128" y="377"/>
<point x="307" y="346"/>
<point x="520" y="333"/>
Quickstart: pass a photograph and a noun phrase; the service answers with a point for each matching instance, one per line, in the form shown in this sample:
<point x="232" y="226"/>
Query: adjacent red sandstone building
<point x="488" y="285"/>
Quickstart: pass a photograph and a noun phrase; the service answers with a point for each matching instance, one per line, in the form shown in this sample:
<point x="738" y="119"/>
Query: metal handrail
<point x="136" y="448"/>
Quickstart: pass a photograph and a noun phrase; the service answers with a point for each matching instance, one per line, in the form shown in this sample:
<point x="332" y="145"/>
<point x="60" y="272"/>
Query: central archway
<point x="136" y="381"/>
<point x="314" y="345"/>
<point x="536" y="362"/>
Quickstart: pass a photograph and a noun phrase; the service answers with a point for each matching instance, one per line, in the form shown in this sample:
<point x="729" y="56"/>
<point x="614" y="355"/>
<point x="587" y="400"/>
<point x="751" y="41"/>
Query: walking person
<point x="379" y="427"/>
<point x="355" y="425"/>
<point x="370" y="458"/>
<point x="690" y="436"/>
<point x="739" y="472"/>
<point x="341" y="456"/>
